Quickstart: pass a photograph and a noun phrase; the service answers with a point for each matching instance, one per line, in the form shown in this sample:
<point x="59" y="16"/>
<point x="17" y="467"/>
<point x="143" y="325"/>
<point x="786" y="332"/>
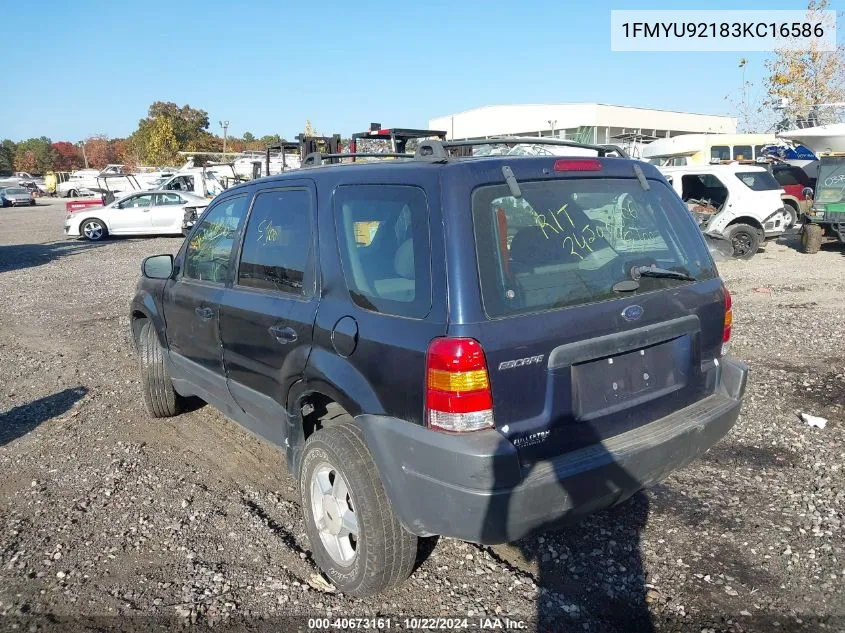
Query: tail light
<point x="577" y="164"/>
<point x="729" y="318"/>
<point x="457" y="397"/>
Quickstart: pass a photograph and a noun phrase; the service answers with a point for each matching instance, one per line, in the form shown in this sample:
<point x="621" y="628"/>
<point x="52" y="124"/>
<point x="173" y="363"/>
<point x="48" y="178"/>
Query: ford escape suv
<point x="476" y="347"/>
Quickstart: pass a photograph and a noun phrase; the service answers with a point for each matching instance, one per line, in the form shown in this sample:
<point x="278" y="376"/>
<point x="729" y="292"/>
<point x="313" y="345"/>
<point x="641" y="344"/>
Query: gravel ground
<point x="106" y="512"/>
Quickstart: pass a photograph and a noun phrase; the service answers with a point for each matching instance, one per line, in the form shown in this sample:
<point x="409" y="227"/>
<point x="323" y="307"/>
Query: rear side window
<point x="791" y="176"/>
<point x="383" y="235"/>
<point x="720" y="152"/>
<point x="758" y="180"/>
<point x="742" y="152"/>
<point x="277" y="249"/>
<point x="567" y="242"/>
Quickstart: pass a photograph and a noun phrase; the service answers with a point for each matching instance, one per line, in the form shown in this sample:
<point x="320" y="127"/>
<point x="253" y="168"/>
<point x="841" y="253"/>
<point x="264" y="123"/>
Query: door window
<point x="182" y="183"/>
<point x="167" y="199"/>
<point x="209" y="250"/>
<point x="276" y="254"/>
<point x="133" y="202"/>
<point x="703" y="187"/>
<point x="385" y="248"/>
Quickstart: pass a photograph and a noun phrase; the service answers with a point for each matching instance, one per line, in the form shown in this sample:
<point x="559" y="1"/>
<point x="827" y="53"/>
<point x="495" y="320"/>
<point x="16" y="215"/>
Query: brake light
<point x="729" y="318"/>
<point x="457" y="397"/>
<point x="577" y="164"/>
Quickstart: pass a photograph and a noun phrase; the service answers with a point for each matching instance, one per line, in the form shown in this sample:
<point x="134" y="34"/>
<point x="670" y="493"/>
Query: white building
<point x="584" y="122"/>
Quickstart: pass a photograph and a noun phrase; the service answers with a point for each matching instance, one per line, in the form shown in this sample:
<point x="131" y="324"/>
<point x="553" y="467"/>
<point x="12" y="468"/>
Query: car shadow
<point x="21" y="256"/>
<point x="20" y="420"/>
<point x="590" y="574"/>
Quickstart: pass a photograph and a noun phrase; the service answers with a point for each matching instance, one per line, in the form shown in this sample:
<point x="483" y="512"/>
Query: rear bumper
<point x="472" y="487"/>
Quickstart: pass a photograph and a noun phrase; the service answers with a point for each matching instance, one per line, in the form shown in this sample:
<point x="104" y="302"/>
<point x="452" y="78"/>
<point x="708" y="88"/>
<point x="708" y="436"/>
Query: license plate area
<point x="612" y="383"/>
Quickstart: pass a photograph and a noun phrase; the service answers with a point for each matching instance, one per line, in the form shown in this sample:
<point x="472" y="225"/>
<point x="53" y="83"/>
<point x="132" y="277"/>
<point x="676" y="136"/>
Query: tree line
<point x="166" y="130"/>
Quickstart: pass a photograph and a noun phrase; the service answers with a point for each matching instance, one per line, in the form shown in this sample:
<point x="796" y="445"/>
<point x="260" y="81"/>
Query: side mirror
<point x="808" y="193"/>
<point x="157" y="267"/>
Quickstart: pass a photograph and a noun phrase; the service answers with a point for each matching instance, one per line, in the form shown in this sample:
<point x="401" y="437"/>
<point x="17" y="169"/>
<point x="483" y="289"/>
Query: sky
<point x="85" y="67"/>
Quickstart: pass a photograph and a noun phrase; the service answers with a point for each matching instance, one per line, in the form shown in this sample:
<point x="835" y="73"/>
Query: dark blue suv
<point x="473" y="346"/>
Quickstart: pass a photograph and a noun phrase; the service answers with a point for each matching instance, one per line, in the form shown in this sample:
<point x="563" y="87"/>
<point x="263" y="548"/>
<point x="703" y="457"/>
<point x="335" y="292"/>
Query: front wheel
<point x="745" y="240"/>
<point x="160" y="397"/>
<point x="356" y="539"/>
<point x="93" y="229"/>
<point x="72" y="193"/>
<point x="811" y="238"/>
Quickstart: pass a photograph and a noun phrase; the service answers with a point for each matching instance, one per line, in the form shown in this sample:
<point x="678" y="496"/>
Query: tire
<point x="72" y="193"/>
<point x="160" y="397"/>
<point x="93" y="229"/>
<point x="336" y="461"/>
<point x="745" y="240"/>
<point x="792" y="214"/>
<point x="811" y="238"/>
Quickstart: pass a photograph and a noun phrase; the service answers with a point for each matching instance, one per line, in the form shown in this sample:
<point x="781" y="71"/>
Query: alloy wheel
<point x="334" y="514"/>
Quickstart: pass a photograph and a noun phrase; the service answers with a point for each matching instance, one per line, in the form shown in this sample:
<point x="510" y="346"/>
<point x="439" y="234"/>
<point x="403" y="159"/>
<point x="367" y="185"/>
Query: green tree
<point x="7" y="155"/>
<point x="248" y="137"/>
<point x="190" y="125"/>
<point x="805" y="79"/>
<point x="34" y="154"/>
<point x="270" y="139"/>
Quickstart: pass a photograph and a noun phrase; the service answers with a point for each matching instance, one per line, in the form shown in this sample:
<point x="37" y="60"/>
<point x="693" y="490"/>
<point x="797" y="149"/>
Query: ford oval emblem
<point x="632" y="313"/>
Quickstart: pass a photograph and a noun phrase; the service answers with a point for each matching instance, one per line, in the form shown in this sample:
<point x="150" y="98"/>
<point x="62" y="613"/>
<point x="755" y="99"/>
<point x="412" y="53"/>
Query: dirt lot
<point x="106" y="512"/>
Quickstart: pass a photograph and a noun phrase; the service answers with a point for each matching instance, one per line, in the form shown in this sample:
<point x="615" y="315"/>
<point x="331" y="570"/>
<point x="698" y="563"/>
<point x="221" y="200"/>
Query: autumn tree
<point x="161" y="144"/>
<point x="67" y="156"/>
<point x="97" y="151"/>
<point x="805" y="79"/>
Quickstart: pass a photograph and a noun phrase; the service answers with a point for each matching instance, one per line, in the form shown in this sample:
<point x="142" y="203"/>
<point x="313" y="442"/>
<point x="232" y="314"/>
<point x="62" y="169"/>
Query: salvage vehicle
<point x="16" y="197"/>
<point x="139" y="213"/>
<point x="825" y="220"/>
<point x="740" y="203"/>
<point x="480" y="347"/>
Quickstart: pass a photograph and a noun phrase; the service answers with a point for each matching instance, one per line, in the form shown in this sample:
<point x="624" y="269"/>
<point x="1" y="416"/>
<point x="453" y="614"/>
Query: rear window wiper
<point x="656" y="271"/>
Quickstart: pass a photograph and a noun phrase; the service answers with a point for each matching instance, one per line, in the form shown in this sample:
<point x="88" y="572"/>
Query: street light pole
<point x="84" y="155"/>
<point x="225" y="126"/>
<point x="552" y="123"/>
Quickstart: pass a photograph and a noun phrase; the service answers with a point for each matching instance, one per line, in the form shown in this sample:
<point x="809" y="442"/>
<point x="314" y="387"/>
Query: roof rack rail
<point x="316" y="158"/>
<point x="602" y="150"/>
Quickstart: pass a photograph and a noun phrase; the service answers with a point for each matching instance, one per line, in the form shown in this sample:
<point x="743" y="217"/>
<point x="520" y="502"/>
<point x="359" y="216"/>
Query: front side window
<point x="758" y="180"/>
<point x="720" y="152"/>
<point x="278" y="244"/>
<point x="384" y="242"/>
<point x="209" y="249"/>
<point x="568" y="242"/>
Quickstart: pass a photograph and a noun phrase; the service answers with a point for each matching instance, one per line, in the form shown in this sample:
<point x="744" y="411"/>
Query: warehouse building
<point x="583" y="122"/>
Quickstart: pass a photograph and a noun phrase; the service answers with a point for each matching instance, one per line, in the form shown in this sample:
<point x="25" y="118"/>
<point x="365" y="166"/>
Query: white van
<point x="741" y="203"/>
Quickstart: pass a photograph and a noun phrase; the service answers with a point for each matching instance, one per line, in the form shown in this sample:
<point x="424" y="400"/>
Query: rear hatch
<point x="575" y="356"/>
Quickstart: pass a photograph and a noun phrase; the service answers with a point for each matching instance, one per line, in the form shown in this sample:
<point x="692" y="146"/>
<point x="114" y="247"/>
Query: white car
<point x="139" y="213"/>
<point x="740" y="203"/>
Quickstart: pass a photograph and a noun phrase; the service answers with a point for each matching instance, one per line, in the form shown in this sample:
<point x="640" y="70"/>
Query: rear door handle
<point x="283" y="334"/>
<point x="204" y="313"/>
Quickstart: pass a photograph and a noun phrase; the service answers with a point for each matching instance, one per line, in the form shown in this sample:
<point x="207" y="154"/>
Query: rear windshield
<point x="758" y="180"/>
<point x="830" y="186"/>
<point x="567" y="242"/>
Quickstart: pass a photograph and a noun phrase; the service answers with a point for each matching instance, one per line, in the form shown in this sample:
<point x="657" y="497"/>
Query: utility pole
<point x="84" y="155"/>
<point x="552" y="123"/>
<point x="225" y="126"/>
